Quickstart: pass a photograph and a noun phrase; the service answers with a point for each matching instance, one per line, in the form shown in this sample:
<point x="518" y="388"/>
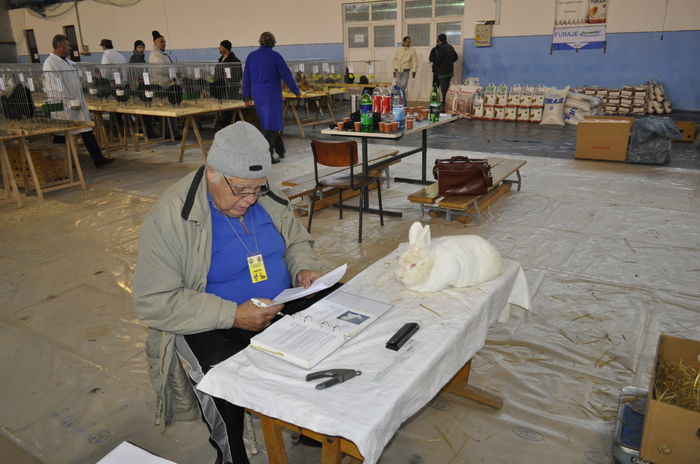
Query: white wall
<point x="203" y="24"/>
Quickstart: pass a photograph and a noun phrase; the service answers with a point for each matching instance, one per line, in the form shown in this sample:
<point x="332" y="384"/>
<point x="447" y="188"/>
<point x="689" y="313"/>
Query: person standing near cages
<point x="61" y="83"/>
<point x="264" y="71"/>
<point x="405" y="64"/>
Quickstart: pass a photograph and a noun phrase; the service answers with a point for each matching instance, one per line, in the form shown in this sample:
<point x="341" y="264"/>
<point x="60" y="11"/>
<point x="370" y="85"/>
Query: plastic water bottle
<point x="377" y="100"/>
<point x="398" y="101"/>
<point x="434" y="105"/>
<point x="366" y="119"/>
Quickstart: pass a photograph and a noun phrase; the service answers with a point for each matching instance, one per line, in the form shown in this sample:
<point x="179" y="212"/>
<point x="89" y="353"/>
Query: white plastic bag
<point x="554" y="100"/>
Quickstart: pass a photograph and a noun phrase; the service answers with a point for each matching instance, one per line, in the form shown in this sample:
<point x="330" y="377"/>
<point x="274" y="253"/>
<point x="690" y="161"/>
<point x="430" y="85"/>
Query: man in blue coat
<point x="264" y="70"/>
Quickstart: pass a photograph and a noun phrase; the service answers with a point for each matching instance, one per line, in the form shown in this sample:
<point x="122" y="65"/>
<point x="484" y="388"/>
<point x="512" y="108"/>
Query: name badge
<point x="256" y="267"/>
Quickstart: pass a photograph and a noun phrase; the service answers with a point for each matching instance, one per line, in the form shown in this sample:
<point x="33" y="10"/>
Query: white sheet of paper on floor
<point x="128" y="453"/>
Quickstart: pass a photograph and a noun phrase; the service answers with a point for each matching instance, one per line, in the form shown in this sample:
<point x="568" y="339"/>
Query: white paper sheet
<point x="322" y="283"/>
<point x="128" y="453"/>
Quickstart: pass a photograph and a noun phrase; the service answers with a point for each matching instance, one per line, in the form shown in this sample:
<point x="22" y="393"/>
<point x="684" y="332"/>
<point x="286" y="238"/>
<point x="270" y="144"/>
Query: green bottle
<point x="366" y="117"/>
<point x="434" y="105"/>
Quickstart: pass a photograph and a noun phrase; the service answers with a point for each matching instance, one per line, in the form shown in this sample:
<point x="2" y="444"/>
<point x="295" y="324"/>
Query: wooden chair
<point x="342" y="154"/>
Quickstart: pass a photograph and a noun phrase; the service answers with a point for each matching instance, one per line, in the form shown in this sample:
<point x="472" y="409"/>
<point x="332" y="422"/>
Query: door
<point x="31" y="46"/>
<point x="424" y="20"/>
<point x="370" y="37"/>
<point x="69" y="31"/>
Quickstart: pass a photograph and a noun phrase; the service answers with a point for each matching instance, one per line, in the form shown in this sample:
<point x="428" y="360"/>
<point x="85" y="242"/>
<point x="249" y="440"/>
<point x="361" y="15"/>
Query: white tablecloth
<point x="369" y="409"/>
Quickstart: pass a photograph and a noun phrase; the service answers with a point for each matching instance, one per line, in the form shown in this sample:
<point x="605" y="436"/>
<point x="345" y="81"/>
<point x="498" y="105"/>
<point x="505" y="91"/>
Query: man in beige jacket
<point x="213" y="241"/>
<point x="405" y="63"/>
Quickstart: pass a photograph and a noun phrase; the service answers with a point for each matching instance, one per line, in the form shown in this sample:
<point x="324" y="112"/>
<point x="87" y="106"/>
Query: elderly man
<point x="214" y="240"/>
<point x="62" y="84"/>
<point x="110" y="55"/>
<point x="263" y="72"/>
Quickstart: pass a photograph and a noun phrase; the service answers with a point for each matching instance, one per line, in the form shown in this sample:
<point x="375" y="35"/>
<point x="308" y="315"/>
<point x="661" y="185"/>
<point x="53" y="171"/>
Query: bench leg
<point x="477" y="209"/>
<point x="388" y="177"/>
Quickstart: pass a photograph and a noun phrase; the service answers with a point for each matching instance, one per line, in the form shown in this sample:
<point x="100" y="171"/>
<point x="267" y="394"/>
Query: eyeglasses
<point x="258" y="190"/>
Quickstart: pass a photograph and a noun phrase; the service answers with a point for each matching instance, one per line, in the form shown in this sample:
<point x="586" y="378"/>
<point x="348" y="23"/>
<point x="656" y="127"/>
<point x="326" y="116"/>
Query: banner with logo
<point x="579" y="37"/>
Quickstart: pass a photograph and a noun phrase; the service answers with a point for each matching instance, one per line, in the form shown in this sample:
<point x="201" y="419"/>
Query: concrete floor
<point x="75" y="382"/>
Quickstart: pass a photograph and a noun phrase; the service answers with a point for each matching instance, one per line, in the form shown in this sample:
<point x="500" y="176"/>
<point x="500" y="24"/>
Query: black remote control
<point x="402" y="336"/>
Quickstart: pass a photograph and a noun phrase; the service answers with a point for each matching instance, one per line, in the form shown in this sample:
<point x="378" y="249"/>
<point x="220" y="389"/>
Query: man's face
<point x="140" y="48"/>
<point x="160" y="43"/>
<point x="63" y="49"/>
<point x="234" y="195"/>
<point x="407" y="42"/>
<point x="222" y="50"/>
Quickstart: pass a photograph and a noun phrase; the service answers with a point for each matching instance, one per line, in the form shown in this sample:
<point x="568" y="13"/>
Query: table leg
<point x="424" y="162"/>
<point x="329" y="99"/>
<point x="72" y="154"/>
<point x="330" y="451"/>
<point x="185" y="128"/>
<point x="459" y="386"/>
<point x="26" y="155"/>
<point x="193" y="123"/>
<point x="298" y="121"/>
<point x="276" y="454"/>
<point x="8" y="176"/>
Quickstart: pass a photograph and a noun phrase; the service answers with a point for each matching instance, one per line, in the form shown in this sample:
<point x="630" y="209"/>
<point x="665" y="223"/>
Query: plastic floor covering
<point x="611" y="253"/>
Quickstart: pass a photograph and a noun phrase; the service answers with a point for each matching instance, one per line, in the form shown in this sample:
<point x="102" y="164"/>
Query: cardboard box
<point x="603" y="137"/>
<point x="670" y="432"/>
<point x="687" y="129"/>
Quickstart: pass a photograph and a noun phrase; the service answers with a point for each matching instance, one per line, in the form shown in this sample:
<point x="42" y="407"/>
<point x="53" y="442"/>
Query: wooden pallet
<point x="466" y="208"/>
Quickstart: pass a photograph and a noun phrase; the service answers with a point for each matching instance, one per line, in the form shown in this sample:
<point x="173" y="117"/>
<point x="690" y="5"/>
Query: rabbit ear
<point x="424" y="238"/>
<point x="414" y="232"/>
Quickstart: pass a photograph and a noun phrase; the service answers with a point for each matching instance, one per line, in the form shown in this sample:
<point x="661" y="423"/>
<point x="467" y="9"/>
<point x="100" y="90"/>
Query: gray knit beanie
<point x="240" y="150"/>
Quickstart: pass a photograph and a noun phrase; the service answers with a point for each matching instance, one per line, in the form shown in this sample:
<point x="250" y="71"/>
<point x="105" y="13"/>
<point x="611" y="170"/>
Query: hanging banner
<point x="579" y="37"/>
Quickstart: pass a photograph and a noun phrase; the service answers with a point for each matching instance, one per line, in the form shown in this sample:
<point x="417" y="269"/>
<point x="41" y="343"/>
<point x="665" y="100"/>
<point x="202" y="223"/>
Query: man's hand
<point x="414" y="74"/>
<point x="254" y="318"/>
<point x="248" y="103"/>
<point x="306" y="277"/>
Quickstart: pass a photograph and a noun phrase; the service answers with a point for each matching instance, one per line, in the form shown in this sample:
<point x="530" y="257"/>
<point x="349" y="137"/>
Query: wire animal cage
<point x="173" y="85"/>
<point x="33" y="100"/>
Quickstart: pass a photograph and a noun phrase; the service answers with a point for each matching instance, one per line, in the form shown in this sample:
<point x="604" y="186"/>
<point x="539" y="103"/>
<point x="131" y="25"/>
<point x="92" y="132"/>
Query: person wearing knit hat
<point x="227" y="56"/>
<point x="158" y="55"/>
<point x="212" y="242"/>
<point x="139" y="53"/>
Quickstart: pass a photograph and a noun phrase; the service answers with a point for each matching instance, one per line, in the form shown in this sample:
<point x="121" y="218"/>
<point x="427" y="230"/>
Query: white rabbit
<point x="455" y="261"/>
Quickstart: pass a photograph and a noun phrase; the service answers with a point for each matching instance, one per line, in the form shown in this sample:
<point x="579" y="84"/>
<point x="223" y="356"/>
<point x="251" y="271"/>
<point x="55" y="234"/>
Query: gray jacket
<point x="171" y="275"/>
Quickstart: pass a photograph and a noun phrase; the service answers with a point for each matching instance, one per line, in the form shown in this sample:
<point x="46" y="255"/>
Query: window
<point x="449" y="8"/>
<point x="453" y="31"/>
<point x="383" y="11"/>
<point x="383" y="36"/>
<point x="358" y="37"/>
<point x="420" y="35"/>
<point x="357" y="13"/>
<point x="31" y="45"/>
<point x="418" y="9"/>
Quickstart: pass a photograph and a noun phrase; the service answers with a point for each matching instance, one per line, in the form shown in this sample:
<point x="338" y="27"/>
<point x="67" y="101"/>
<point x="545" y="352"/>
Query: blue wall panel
<point x="631" y="58"/>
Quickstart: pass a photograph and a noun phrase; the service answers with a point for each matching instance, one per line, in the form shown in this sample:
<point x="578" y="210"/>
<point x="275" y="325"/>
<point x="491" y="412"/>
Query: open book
<point x="308" y="336"/>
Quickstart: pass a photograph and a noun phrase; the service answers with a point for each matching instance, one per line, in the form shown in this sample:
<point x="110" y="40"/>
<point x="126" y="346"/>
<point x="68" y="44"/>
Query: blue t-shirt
<point x="228" y="275"/>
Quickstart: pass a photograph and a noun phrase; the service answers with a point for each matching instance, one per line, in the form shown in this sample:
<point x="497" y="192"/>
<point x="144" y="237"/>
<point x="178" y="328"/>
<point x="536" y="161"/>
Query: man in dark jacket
<point x="443" y="63"/>
<point x="139" y="53"/>
<point x="227" y="56"/>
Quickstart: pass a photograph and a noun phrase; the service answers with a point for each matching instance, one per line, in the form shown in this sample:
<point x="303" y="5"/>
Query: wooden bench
<point x="467" y="207"/>
<point x="303" y="186"/>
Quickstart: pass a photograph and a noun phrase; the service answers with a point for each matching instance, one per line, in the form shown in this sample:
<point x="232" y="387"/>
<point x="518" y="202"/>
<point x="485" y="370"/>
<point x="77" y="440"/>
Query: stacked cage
<point x="33" y="100"/>
<point x="177" y="85"/>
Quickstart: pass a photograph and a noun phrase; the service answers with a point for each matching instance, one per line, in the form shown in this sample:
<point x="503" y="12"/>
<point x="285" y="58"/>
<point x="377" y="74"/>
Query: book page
<point x="322" y="283"/>
<point x="296" y="341"/>
<point x="345" y="312"/>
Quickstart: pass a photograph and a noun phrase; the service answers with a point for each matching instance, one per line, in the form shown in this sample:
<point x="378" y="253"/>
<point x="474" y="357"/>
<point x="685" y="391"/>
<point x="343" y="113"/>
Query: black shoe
<point x="281" y="155"/>
<point x="306" y="441"/>
<point x="275" y="159"/>
<point x="103" y="162"/>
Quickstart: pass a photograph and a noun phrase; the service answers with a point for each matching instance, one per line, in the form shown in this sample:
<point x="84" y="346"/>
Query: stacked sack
<point x="460" y="98"/>
<point x="537" y="105"/>
<point x="524" y="102"/>
<point x="578" y="105"/>
<point x="554" y="100"/>
<point x="501" y="103"/>
<point x="657" y="102"/>
<point x="513" y="102"/>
